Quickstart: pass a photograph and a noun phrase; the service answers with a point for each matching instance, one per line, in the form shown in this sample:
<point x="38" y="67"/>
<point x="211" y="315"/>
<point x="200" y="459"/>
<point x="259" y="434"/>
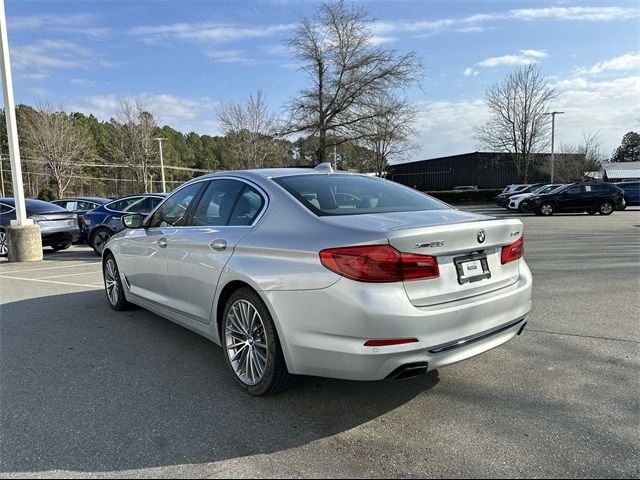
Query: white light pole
<point x="12" y="130"/>
<point x="23" y="241"/>
<point x="164" y="185"/>
<point x="553" y="134"/>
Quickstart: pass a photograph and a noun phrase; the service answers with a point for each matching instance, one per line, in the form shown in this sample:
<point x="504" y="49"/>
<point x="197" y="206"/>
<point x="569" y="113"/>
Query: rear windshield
<point x="354" y="194"/>
<point x="35" y="207"/>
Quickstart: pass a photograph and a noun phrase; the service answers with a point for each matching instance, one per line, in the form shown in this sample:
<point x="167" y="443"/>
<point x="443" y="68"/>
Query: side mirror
<point x="134" y="220"/>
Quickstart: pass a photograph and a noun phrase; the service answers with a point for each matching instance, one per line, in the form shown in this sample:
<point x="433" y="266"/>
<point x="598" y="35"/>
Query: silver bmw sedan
<point x="311" y="272"/>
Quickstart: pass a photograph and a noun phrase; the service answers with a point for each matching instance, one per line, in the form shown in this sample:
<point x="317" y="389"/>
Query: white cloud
<point x="208" y="32"/>
<point x="591" y="14"/>
<point x="523" y="58"/>
<point x="229" y="56"/>
<point x="182" y="113"/>
<point x="446" y="128"/>
<point x="478" y="23"/>
<point x="78" y="23"/>
<point x="55" y="54"/>
<point x="628" y="61"/>
<point x="469" y="72"/>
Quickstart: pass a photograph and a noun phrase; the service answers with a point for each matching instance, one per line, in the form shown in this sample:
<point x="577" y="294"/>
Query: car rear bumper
<point x="323" y="332"/>
<point x="59" y="236"/>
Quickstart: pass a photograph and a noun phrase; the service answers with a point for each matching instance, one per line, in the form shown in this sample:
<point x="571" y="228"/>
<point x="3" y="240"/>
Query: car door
<point x="199" y="252"/>
<point x="571" y="199"/>
<point x="145" y="251"/>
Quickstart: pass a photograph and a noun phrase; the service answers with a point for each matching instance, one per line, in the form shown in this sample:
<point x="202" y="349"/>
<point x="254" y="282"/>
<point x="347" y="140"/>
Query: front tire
<point x="113" y="285"/>
<point x="252" y="348"/>
<point x="606" y="208"/>
<point x="62" y="246"/>
<point x="547" y="209"/>
<point x="99" y="239"/>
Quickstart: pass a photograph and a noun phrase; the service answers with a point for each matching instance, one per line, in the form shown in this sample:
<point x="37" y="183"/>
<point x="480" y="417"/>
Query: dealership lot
<point x="92" y="392"/>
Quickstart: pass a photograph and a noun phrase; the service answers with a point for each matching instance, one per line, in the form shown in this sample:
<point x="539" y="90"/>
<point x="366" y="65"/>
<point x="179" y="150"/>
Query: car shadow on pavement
<point x="85" y="388"/>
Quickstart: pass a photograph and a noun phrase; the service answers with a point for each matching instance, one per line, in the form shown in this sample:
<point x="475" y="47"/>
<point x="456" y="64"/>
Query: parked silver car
<point x="310" y="272"/>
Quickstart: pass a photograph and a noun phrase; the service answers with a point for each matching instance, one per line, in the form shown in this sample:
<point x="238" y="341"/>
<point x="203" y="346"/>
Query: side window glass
<point x="217" y="203"/>
<point x="139" y="206"/>
<point x="588" y="188"/>
<point x="71" y="206"/>
<point x="574" y="190"/>
<point x="124" y="204"/>
<point x="174" y="210"/>
<point x="247" y="208"/>
<point x="153" y="202"/>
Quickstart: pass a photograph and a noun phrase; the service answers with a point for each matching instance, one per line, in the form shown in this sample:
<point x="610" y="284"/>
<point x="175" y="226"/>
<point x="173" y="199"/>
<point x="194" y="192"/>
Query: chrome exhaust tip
<point x="410" y="370"/>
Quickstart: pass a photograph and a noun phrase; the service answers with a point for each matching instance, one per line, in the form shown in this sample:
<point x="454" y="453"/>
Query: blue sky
<point x="184" y="58"/>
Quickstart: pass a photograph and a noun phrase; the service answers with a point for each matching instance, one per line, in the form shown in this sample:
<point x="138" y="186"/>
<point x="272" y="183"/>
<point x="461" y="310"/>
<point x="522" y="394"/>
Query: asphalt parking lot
<point x="85" y="391"/>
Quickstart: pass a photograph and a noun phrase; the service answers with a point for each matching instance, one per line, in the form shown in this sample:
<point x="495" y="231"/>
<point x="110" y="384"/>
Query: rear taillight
<point x="514" y="251"/>
<point x="378" y="263"/>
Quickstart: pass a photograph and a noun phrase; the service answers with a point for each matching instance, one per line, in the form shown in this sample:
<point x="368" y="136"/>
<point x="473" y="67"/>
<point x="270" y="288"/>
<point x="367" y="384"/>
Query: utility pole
<point x="164" y="185"/>
<point x="553" y="134"/>
<point x="23" y="235"/>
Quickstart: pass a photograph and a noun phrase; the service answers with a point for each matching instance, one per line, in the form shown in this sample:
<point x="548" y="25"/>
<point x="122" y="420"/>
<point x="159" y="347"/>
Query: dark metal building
<point x="481" y="169"/>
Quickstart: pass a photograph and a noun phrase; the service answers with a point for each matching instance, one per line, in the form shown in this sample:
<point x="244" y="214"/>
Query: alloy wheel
<point x="547" y="209"/>
<point x="245" y="342"/>
<point x="606" y="208"/>
<point x="100" y="239"/>
<point x="4" y="248"/>
<point x="111" y="281"/>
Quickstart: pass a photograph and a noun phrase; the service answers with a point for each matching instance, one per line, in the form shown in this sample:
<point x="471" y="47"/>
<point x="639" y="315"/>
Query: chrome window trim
<point x="260" y="190"/>
<point x="106" y="205"/>
<point x="11" y="209"/>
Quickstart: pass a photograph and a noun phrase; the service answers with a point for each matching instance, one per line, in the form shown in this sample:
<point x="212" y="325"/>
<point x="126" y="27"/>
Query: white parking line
<point x="49" y="268"/>
<point x="70" y="274"/>
<point x="38" y="280"/>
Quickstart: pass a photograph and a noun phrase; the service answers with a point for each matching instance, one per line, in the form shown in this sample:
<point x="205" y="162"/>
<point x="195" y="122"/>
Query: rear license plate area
<point x="472" y="268"/>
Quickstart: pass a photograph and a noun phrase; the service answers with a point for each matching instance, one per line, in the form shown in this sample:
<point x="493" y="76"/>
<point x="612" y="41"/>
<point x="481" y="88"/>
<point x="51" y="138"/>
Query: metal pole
<point x="164" y="185"/>
<point x="12" y="130"/>
<point x="553" y="135"/>
<point x="335" y="157"/>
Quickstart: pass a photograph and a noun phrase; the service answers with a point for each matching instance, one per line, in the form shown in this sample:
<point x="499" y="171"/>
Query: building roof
<point x="621" y="170"/>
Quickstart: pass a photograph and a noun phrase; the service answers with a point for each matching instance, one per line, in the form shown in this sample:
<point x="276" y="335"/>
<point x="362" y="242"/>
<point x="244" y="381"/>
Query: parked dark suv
<point x="603" y="198"/>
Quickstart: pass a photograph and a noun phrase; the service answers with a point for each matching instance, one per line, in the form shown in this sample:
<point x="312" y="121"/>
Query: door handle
<point x="162" y="243"/>
<point x="219" y="244"/>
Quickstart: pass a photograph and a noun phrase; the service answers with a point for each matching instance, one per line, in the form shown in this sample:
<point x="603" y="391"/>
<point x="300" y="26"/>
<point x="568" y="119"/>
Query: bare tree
<point x="51" y="137"/>
<point x="345" y="71"/>
<point x="250" y="128"/>
<point x="133" y="133"/>
<point x="579" y="159"/>
<point x="517" y="123"/>
<point x="388" y="131"/>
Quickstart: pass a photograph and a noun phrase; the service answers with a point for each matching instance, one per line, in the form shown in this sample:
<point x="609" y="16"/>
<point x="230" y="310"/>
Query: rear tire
<point x="4" y="245"/>
<point x="62" y="246"/>
<point x="113" y="285"/>
<point x="606" y="208"/>
<point x="251" y="346"/>
<point x="99" y="239"/>
<point x="547" y="209"/>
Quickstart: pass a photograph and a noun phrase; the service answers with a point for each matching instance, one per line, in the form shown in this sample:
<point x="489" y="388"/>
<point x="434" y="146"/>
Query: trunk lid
<point x="447" y="235"/>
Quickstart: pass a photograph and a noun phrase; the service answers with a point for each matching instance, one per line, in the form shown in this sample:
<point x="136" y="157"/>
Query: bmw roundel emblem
<point x="482" y="236"/>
